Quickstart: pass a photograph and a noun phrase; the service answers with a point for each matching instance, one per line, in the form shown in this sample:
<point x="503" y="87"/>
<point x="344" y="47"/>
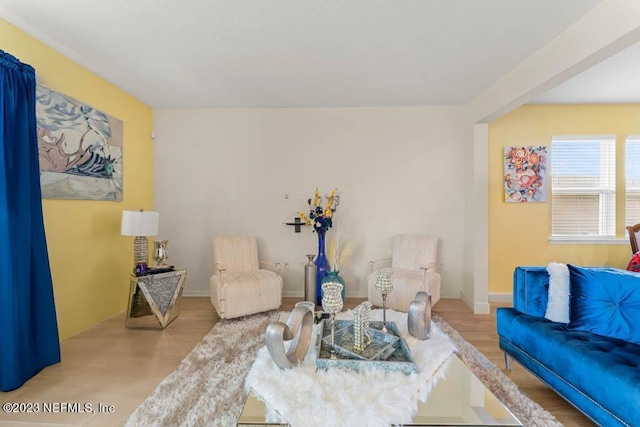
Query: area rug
<point x="206" y="389"/>
<point x="373" y="397"/>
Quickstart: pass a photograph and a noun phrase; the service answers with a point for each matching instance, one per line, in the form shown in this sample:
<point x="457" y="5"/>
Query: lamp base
<point x="140" y="250"/>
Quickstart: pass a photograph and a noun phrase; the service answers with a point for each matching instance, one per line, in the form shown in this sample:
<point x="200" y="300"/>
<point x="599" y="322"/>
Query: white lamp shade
<point x="140" y="223"/>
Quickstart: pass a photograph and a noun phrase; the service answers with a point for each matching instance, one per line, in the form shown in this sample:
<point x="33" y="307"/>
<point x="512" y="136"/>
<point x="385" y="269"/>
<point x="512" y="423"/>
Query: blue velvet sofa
<point x="594" y="360"/>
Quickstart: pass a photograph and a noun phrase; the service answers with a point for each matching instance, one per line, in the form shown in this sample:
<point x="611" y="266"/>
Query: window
<point x="583" y="187"/>
<point x="632" y="172"/>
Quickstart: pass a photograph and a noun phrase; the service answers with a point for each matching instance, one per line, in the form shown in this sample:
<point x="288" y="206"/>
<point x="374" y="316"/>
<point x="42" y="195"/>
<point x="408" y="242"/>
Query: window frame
<point x="607" y="191"/>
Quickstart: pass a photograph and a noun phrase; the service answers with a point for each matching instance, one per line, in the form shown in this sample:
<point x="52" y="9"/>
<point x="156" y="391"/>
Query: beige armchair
<point x="241" y="284"/>
<point x="414" y="267"/>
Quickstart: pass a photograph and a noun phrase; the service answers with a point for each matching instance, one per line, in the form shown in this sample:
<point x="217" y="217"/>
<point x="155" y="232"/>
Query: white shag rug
<point x="306" y="396"/>
<point x="207" y="388"/>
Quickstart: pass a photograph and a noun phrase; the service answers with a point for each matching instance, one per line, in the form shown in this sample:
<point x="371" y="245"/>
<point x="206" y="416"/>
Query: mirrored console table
<point x="154" y="299"/>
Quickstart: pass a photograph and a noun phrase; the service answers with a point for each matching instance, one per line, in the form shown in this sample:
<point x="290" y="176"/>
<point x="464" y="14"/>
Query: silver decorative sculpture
<point x="384" y="286"/>
<point x="332" y="304"/>
<point x="361" y="335"/>
<point x="419" y="317"/>
<point x="299" y="328"/>
<point x="160" y="252"/>
<point x="310" y="305"/>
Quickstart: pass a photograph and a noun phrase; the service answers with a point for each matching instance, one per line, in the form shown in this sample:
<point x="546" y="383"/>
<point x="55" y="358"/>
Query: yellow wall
<point x="519" y="232"/>
<point x="90" y="260"/>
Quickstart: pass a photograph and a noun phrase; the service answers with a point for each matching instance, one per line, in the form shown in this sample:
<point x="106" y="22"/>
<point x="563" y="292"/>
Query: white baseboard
<point x="196" y="293"/>
<point x="297" y="294"/>
<point x="286" y="294"/>
<point x="466" y="299"/>
<point x="292" y="294"/>
<point x="476" y="307"/>
<point x="501" y="297"/>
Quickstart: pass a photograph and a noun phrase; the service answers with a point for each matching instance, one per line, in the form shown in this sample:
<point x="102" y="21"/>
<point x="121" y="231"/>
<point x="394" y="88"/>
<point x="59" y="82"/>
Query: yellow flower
<point x="304" y="218"/>
<point x="321" y="210"/>
<point x="330" y="199"/>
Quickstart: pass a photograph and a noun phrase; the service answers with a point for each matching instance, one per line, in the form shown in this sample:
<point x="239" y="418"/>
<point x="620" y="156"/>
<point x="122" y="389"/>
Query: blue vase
<point x="322" y="265"/>
<point x="334" y="276"/>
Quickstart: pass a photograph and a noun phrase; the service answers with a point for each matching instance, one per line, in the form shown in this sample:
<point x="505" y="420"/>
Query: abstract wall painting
<point x="525" y="174"/>
<point x="79" y="148"/>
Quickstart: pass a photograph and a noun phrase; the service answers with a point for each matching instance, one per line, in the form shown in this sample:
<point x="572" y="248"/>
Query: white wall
<point x="571" y="52"/>
<point x="226" y="172"/>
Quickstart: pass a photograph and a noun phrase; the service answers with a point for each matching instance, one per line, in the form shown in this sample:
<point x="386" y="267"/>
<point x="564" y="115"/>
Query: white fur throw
<point x="304" y="396"/>
<point x="558" y="303"/>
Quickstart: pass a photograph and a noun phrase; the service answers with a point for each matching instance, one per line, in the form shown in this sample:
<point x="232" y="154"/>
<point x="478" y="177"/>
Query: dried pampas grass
<point x="340" y="248"/>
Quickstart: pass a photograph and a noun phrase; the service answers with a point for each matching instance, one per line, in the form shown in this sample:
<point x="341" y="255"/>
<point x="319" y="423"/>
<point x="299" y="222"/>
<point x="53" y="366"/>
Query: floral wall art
<point x="79" y="148"/>
<point x="525" y="177"/>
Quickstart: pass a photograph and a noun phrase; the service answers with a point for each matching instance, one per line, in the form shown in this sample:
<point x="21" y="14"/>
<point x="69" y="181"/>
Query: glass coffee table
<point x="459" y="399"/>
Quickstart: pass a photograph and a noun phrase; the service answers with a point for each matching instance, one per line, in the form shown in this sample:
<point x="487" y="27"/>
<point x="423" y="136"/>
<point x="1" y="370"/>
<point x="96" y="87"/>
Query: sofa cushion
<point x="590" y="363"/>
<point x="558" y="304"/>
<point x="530" y="290"/>
<point x="605" y="302"/>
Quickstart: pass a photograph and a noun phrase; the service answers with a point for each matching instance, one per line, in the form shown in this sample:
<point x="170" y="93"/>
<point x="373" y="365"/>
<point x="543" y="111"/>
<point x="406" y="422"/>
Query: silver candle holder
<point x="361" y="318"/>
<point x="384" y="286"/>
<point x="332" y="304"/>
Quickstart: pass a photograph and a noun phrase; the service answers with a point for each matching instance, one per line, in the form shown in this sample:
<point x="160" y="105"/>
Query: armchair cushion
<point x="413" y="265"/>
<point x="406" y="283"/>
<point x="238" y="286"/>
<point x="249" y="292"/>
<point x="236" y="254"/>
<point x="414" y="252"/>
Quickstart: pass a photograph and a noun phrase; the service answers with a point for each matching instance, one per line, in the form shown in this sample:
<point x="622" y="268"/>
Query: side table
<point x="154" y="299"/>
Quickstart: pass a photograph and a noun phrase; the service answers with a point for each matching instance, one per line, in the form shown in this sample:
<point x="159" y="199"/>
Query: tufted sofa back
<point x="605" y="302"/>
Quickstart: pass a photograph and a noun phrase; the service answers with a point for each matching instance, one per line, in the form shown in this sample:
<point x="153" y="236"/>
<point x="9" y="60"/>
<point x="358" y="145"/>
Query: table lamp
<point x="140" y="224"/>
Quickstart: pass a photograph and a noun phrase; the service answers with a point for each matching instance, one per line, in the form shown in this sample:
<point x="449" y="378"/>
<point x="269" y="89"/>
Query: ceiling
<point x="302" y="53"/>
<point x="613" y="81"/>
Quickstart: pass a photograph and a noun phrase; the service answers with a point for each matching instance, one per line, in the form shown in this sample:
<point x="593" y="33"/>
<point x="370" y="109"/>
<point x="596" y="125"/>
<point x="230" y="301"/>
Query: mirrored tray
<point x="380" y="348"/>
<point x="400" y="358"/>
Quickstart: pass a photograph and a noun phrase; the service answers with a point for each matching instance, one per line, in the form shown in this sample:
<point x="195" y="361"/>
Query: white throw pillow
<point x="558" y="304"/>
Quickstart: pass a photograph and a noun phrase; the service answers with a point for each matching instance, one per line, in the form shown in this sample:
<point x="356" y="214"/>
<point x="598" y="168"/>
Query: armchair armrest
<point x="378" y="264"/>
<point x="272" y="265"/>
<point x="430" y="268"/>
<point x="219" y="268"/>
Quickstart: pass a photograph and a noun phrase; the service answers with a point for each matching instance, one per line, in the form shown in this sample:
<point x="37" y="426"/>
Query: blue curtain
<point x="28" y="327"/>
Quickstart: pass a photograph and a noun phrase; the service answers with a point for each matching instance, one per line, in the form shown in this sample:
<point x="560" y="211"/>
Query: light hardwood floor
<point x="110" y="365"/>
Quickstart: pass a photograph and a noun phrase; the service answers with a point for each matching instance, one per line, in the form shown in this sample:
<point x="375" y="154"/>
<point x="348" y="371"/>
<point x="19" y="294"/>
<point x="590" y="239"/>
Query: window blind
<point x="632" y="173"/>
<point x="583" y="186"/>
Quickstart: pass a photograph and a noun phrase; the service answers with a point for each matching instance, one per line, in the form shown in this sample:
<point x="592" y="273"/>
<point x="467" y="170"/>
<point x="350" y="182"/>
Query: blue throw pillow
<point x="605" y="301"/>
